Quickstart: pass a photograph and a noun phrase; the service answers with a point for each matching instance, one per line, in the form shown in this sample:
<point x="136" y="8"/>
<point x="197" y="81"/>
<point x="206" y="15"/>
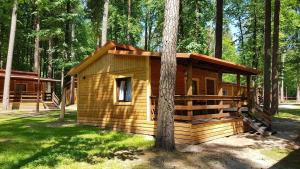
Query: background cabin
<point x="118" y="88"/>
<point x="23" y="90"/>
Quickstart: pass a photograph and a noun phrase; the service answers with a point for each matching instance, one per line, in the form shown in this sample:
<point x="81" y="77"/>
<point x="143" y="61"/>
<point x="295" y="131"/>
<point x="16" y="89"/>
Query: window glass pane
<point x="122" y="90"/>
<point x="128" y="90"/>
<point x="195" y="87"/>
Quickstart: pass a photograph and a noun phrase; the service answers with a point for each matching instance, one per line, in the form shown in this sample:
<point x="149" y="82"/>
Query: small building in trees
<point x="117" y="88"/>
<point x="23" y="90"/>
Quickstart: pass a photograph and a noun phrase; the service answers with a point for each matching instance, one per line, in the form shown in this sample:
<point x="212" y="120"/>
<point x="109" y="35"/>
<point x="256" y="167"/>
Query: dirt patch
<point x="240" y="151"/>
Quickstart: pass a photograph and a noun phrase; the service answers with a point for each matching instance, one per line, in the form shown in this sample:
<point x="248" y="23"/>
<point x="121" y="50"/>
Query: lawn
<point x="43" y="142"/>
<point x="291" y="112"/>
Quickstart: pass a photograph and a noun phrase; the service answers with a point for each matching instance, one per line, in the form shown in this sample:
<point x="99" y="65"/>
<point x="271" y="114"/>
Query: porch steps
<point x="50" y="105"/>
<point x="258" y="125"/>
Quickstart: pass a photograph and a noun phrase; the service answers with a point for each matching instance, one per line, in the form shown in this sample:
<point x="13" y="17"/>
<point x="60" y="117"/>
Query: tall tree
<point x="104" y="22"/>
<point x="219" y="29"/>
<point x="37" y="59"/>
<point x="267" y="53"/>
<point x="166" y="107"/>
<point x="128" y="21"/>
<point x="275" y="56"/>
<point x="219" y="41"/>
<point x="13" y="26"/>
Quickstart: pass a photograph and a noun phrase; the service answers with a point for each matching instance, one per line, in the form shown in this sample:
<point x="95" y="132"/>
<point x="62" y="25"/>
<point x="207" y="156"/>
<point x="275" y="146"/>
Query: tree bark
<point x="63" y="95"/>
<point x="63" y="106"/>
<point x="72" y="88"/>
<point x="219" y="29"/>
<point x="274" y="104"/>
<point x="282" y="80"/>
<point x="104" y="22"/>
<point x="128" y="22"/>
<point x="146" y="31"/>
<point x="255" y="57"/>
<point x="298" y="92"/>
<point x="267" y="53"/>
<point x="219" y="39"/>
<point x="50" y="58"/>
<point x="165" y="123"/>
<point x="6" y="88"/>
<point x="37" y="61"/>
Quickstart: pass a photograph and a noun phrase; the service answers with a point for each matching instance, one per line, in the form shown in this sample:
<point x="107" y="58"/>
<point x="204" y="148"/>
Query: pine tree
<point x="13" y="26"/>
<point x="166" y="106"/>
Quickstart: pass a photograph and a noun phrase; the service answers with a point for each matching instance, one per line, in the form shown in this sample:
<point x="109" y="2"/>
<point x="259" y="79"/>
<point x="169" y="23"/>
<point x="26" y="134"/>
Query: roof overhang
<point x="127" y="50"/>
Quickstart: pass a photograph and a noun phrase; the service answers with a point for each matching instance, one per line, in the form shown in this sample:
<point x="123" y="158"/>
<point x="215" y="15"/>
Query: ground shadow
<point x="289" y="162"/>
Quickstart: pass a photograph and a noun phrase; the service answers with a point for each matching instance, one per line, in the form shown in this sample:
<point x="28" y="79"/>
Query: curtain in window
<point x="128" y="90"/>
<point x="122" y="90"/>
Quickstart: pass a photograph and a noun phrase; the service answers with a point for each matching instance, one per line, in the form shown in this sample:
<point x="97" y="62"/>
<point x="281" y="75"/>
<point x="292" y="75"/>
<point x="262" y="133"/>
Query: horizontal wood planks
<point x="96" y="88"/>
<point x="185" y="133"/>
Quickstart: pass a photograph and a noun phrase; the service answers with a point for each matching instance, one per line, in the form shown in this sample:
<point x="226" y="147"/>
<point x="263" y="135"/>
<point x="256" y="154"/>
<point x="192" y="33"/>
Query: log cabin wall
<point x="198" y="74"/>
<point x="30" y="84"/>
<point x="96" y="85"/>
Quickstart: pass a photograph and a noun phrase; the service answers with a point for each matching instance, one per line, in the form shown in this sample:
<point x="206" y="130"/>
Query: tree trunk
<point x="50" y="58"/>
<point x="146" y="31"/>
<point x="37" y="45"/>
<point x="6" y="88"/>
<point x="104" y="22"/>
<point x="72" y="41"/>
<point x="255" y="57"/>
<point x="282" y="80"/>
<point x="37" y="61"/>
<point x="50" y="64"/>
<point x="165" y="123"/>
<point x="63" y="106"/>
<point x="128" y="22"/>
<point x="298" y="92"/>
<point x="63" y="95"/>
<point x="1" y="39"/>
<point x="219" y="39"/>
<point x="274" y="104"/>
<point x="267" y="53"/>
<point x="72" y="88"/>
<point x="219" y="29"/>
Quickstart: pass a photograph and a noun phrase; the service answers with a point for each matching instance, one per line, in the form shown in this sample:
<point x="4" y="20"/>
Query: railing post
<point x="189" y="85"/>
<point x="238" y="92"/>
<point x="249" y="99"/>
<point x="220" y="91"/>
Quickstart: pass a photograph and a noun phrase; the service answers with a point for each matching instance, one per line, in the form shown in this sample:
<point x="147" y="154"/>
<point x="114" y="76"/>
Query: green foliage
<point x="143" y="26"/>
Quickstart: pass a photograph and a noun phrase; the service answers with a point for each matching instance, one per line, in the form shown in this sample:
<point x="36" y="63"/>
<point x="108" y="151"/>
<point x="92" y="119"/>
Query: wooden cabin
<point x="23" y="91"/>
<point x="118" y="88"/>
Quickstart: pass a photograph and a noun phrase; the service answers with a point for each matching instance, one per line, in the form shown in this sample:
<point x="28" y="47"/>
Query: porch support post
<point x="220" y="92"/>
<point x="238" y="92"/>
<point x="189" y="85"/>
<point x="249" y="99"/>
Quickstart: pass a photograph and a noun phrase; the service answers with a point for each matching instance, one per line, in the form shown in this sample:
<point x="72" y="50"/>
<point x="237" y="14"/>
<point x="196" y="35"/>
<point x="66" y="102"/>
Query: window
<point x="124" y="89"/>
<point x="20" y="88"/>
<point x="225" y="92"/>
<point x="195" y="87"/>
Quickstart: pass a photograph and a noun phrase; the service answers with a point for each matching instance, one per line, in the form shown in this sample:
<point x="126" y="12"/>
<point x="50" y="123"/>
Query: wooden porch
<point x="27" y="100"/>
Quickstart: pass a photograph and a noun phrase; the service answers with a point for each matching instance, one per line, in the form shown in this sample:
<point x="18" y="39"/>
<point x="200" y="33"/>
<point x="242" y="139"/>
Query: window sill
<point x="123" y="103"/>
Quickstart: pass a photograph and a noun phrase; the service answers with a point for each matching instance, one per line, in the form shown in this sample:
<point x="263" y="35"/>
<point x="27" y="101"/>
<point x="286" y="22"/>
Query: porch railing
<point x="27" y="96"/>
<point x="195" y="107"/>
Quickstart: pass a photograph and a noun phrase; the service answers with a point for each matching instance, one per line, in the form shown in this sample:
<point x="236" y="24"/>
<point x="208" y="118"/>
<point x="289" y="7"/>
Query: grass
<point x="293" y="114"/>
<point x="276" y="153"/>
<point x="43" y="142"/>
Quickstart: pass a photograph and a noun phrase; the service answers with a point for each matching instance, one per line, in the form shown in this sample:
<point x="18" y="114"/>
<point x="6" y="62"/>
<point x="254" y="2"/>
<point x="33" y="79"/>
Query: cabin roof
<point x="25" y="75"/>
<point x="201" y="60"/>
